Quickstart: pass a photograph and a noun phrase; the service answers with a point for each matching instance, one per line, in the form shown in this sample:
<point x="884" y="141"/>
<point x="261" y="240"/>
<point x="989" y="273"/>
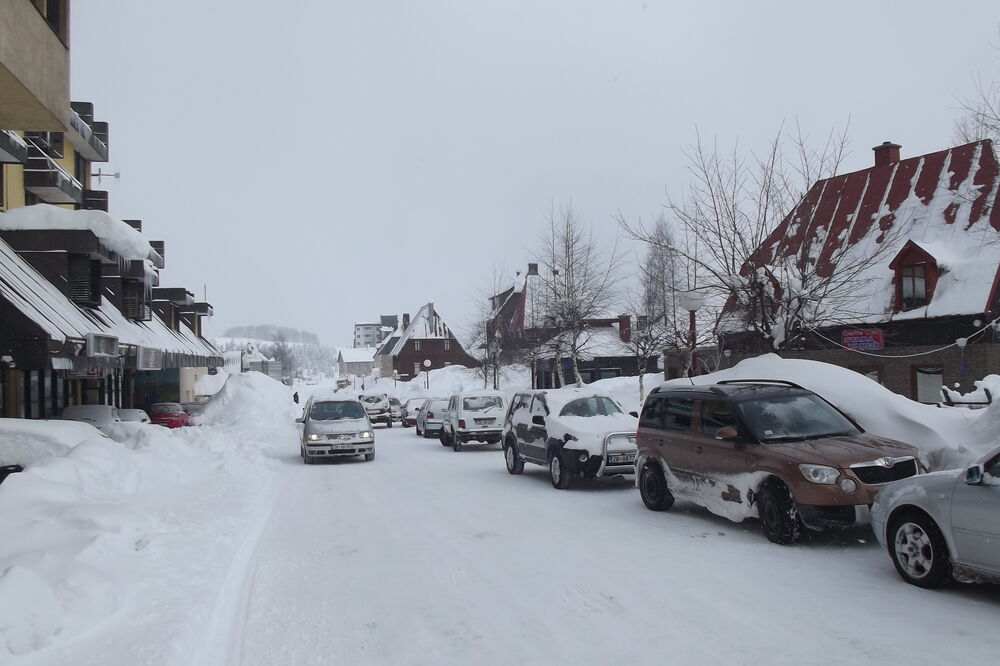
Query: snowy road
<point x="427" y="556"/>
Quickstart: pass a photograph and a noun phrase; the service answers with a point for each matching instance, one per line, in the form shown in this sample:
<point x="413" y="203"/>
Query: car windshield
<point x="595" y="405"/>
<point x="481" y="403"/>
<point x="394" y="402"/>
<point x="793" y="417"/>
<point x="332" y="410"/>
<point x="372" y="399"/>
<point x="436" y="404"/>
<point x="165" y="408"/>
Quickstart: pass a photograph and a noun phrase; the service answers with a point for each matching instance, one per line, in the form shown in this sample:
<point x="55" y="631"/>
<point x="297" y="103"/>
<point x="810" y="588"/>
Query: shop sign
<point x="147" y="358"/>
<point x="101" y="345"/>
<point x="862" y="339"/>
<point x="89" y="373"/>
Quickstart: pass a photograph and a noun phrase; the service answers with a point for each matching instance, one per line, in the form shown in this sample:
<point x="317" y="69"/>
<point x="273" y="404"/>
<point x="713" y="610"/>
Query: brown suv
<point x="762" y="447"/>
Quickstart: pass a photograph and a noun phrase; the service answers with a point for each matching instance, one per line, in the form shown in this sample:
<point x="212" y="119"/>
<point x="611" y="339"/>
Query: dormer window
<point x="912" y="287"/>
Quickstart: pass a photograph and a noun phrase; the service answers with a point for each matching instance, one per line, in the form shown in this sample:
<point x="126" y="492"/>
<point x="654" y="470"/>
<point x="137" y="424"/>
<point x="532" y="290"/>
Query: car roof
<point x="742" y="389"/>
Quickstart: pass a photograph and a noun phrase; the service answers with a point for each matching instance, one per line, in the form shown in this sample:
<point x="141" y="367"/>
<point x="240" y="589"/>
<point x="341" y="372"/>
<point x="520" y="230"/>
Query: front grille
<point x="876" y="474"/>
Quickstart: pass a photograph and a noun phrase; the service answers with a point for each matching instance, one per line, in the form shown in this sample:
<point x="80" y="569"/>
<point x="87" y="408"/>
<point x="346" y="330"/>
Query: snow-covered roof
<point x="948" y="203"/>
<point x="599" y="342"/>
<point x="356" y="354"/>
<point x="426" y="325"/>
<point x="114" y="233"/>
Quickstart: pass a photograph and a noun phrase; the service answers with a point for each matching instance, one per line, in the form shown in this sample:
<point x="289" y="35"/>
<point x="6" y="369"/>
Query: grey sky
<point x="320" y="162"/>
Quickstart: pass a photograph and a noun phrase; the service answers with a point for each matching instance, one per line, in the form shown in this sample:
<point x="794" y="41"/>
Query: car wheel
<point x="514" y="463"/>
<point x="456" y="443"/>
<point x="427" y="434"/>
<point x="418" y="430"/>
<point x="388" y="424"/>
<point x="306" y="458"/>
<point x="918" y="550"/>
<point x="653" y="489"/>
<point x="778" y="514"/>
<point x="302" y="451"/>
<point x="370" y="456"/>
<point x="558" y="473"/>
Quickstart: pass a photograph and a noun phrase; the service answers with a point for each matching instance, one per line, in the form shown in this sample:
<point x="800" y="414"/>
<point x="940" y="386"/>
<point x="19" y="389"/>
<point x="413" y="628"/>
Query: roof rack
<point x="781" y="382"/>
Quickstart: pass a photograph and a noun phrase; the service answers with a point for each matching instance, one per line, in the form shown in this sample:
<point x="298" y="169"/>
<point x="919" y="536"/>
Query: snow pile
<point x="210" y="384"/>
<point x="117" y="235"/>
<point x="103" y="526"/>
<point x="250" y="399"/>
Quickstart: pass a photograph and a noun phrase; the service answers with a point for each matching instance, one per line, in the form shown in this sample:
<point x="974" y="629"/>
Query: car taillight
<point x="430" y="415"/>
<point x="461" y="423"/>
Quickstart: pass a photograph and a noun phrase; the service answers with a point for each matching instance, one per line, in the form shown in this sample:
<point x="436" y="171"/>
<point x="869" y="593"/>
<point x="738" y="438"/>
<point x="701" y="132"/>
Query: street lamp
<point x="427" y="373"/>
<point x="691" y="301"/>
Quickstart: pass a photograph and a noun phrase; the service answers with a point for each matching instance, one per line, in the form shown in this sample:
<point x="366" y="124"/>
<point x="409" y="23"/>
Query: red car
<point x="169" y="414"/>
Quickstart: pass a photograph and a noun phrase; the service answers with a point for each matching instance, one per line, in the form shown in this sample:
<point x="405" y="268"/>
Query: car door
<point x="520" y="419"/>
<point x="675" y="441"/>
<point x="722" y="464"/>
<point x="535" y="437"/>
<point x="975" y="519"/>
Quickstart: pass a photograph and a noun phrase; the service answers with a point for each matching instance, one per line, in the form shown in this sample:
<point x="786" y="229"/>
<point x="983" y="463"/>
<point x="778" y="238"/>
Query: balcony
<point x="49" y="181"/>
<point x="95" y="200"/>
<point x="89" y="138"/>
<point x="13" y="149"/>
<point x="34" y="66"/>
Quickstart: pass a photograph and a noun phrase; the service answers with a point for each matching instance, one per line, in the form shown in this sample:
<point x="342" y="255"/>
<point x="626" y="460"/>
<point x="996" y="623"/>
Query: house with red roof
<point x="924" y="313"/>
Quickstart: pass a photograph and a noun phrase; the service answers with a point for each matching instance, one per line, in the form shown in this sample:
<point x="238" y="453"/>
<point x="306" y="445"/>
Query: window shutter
<point x="79" y="279"/>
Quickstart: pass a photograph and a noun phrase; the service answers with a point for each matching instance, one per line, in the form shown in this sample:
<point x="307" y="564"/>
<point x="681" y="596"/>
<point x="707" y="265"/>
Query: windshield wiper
<point x="785" y="438"/>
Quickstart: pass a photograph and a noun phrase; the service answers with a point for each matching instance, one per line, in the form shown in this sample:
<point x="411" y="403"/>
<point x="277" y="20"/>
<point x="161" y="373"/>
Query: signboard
<point x="862" y="338"/>
<point x="90" y="373"/>
<point x="147" y="358"/>
<point x="101" y="345"/>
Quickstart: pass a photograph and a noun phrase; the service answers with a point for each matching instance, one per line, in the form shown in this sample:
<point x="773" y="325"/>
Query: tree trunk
<point x="642" y="374"/>
<point x="576" y="372"/>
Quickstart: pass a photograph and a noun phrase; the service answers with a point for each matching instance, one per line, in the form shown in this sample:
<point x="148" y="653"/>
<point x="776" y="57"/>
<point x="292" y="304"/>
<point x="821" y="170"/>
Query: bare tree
<point x="489" y="332"/>
<point x="733" y="204"/>
<point x="981" y="113"/>
<point x="580" y="282"/>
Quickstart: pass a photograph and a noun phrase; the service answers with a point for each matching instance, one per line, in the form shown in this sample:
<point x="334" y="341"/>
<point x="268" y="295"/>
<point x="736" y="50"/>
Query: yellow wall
<point x="13" y="178"/>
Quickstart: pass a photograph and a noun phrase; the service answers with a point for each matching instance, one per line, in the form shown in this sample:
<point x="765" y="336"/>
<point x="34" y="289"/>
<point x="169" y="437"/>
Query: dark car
<point x="763" y="448"/>
<point x="169" y="414"/>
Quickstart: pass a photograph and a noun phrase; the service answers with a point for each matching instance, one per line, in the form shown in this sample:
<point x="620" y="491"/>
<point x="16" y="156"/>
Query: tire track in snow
<point x="222" y="640"/>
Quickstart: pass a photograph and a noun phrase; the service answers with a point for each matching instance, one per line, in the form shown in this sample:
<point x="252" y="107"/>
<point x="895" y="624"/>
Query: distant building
<point x="369" y="335"/>
<point x="424" y="338"/>
<point x="357" y="361"/>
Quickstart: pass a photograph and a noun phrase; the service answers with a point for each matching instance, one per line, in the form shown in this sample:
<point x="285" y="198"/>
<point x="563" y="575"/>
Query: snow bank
<point x="116" y="234"/>
<point x="98" y="522"/>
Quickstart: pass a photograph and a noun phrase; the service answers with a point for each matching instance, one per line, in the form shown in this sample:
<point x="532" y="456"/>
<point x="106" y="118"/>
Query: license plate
<point x="343" y="446"/>
<point x="484" y="421"/>
<point x="621" y="459"/>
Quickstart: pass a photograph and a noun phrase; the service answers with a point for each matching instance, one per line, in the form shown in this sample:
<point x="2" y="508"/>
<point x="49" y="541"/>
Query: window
<point x="677" y="414"/>
<point x="652" y="413"/>
<point x="416" y="345"/>
<point x="595" y="405"/>
<point x="873" y="372"/>
<point x="447" y="344"/>
<point x="927" y="382"/>
<point x="416" y="369"/>
<point x="912" y="287"/>
<point x="538" y="407"/>
<point x="715" y="416"/>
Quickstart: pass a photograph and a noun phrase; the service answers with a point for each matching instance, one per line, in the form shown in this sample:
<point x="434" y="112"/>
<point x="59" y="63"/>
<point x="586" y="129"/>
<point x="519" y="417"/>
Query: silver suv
<point x="335" y="427"/>
<point x="378" y="408"/>
<point x="476" y="415"/>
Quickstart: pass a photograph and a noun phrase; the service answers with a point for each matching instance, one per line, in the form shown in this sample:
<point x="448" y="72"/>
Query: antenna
<point x="100" y="174"/>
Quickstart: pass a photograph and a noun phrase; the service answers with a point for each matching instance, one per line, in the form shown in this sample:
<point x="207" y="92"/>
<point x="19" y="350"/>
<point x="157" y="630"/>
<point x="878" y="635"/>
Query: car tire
<point x="653" y="488"/>
<point x="456" y="443"/>
<point x="302" y="451"/>
<point x="918" y="550"/>
<point x="427" y="434"/>
<point x="388" y="424"/>
<point x="418" y="430"/>
<point x="307" y="459"/>
<point x="514" y="463"/>
<point x="370" y="456"/>
<point x="558" y="473"/>
<point x="778" y="515"/>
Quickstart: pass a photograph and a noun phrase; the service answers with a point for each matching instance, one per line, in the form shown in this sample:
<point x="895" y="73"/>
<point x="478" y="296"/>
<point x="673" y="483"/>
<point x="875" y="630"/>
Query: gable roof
<point x="947" y="202"/>
<point x="356" y="354"/>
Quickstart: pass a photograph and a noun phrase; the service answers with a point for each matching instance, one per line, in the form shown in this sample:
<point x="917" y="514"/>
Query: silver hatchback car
<point x="943" y="525"/>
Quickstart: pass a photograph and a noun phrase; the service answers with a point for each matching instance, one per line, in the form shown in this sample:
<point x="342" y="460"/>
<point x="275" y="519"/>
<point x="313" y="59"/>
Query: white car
<point x="378" y="408"/>
<point x="138" y="415"/>
<point x="575" y="432"/>
<point x="473" y="416"/>
<point x="943" y="525"/>
<point x="102" y="417"/>
<point x="335" y="427"/>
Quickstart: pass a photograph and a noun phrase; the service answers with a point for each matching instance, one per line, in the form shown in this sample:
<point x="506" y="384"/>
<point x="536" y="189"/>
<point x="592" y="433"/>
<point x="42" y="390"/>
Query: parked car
<point x="473" y="416"/>
<point x="169" y="414"/>
<point x="335" y="427"/>
<point x="767" y="448"/>
<point x="410" y="410"/>
<point x="195" y="408"/>
<point x="575" y="432"/>
<point x="378" y="408"/>
<point x="138" y="415"/>
<point x="943" y="525"/>
<point x="430" y="416"/>
<point x="395" y="409"/>
<point x="102" y="417"/>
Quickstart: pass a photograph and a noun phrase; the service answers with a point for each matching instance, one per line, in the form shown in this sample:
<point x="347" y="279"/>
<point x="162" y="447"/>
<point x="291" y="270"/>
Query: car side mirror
<point x="538" y="420"/>
<point x="635" y="414"/>
<point x="301" y="419"/>
<point x="974" y="475"/>
<point x="727" y="433"/>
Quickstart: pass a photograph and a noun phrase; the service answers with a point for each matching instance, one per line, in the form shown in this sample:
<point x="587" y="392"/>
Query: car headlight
<point x="820" y="474"/>
<point x="313" y="437"/>
<point x="848" y="485"/>
<point x="367" y="434"/>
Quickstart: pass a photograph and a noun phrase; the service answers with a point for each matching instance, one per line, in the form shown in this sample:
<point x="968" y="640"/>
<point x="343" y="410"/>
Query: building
<point x="925" y="313"/>
<point x="369" y="335"/>
<point x="423" y="343"/>
<point x="356" y="361"/>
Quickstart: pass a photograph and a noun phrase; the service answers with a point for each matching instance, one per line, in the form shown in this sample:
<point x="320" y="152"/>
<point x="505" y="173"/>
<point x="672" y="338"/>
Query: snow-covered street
<point x="429" y="557"/>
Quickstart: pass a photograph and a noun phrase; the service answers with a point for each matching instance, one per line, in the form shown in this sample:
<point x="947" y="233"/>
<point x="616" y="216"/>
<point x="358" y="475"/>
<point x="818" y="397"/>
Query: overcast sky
<point x="321" y="162"/>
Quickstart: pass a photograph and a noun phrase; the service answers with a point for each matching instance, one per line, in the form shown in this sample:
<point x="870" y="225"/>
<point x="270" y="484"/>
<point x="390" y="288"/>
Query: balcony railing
<point x="90" y="142"/>
<point x="95" y="200"/>
<point x="13" y="149"/>
<point x="49" y="181"/>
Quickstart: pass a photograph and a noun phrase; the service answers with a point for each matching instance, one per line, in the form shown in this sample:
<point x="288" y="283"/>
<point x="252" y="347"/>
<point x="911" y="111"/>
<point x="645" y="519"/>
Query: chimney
<point x="887" y="153"/>
<point x="625" y="327"/>
<point x="532" y="269"/>
<point x="406" y="320"/>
